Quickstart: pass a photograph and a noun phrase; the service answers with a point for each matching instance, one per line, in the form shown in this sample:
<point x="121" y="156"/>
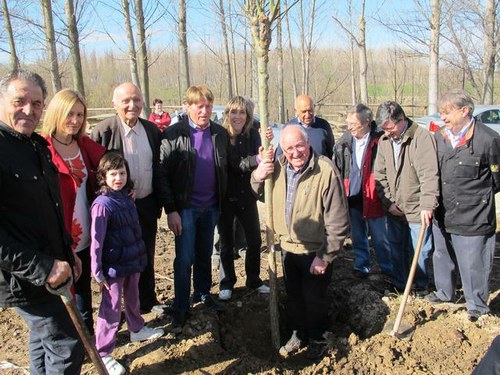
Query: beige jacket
<point x="320" y="219"/>
<point x="414" y="184"/>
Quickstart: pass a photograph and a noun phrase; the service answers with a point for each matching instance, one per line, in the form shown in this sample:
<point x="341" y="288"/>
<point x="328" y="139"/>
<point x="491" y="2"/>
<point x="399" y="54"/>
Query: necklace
<point x="63" y="143"/>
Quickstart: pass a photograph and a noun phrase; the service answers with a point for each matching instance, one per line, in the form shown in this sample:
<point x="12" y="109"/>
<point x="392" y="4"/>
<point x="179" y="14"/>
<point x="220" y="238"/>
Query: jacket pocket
<point x="470" y="210"/>
<point x="468" y="168"/>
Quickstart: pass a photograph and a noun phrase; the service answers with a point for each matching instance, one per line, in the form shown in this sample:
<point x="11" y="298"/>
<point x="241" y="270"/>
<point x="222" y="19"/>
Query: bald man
<point x="138" y="140"/>
<point x="318" y="130"/>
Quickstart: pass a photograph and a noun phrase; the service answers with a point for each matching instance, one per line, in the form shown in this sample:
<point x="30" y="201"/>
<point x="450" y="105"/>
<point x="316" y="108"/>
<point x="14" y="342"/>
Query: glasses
<point x="447" y="112"/>
<point x="300" y="148"/>
<point x="387" y="128"/>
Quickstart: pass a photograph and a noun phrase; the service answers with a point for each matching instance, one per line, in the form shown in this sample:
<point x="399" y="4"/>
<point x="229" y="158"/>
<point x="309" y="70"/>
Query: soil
<point x="238" y="340"/>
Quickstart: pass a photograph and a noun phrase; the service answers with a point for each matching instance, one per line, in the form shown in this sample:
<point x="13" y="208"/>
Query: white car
<point x="489" y="115"/>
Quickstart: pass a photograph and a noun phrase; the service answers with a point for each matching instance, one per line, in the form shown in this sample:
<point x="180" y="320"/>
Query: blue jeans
<point x="360" y="246"/>
<point x="193" y="248"/>
<point x="403" y="239"/>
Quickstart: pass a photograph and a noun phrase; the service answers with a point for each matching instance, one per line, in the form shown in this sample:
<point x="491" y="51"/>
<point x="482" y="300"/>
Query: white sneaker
<point x="263" y="289"/>
<point x="292" y="345"/>
<point x="146" y="333"/>
<point x="112" y="366"/>
<point x="225" y="294"/>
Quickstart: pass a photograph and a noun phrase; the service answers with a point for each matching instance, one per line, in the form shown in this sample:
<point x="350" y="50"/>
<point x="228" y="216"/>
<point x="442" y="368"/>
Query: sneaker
<point x="473" y="315"/>
<point x="292" y="346"/>
<point x="146" y="333"/>
<point x="210" y="303"/>
<point x="316" y="350"/>
<point x="162" y="309"/>
<point x="178" y="321"/>
<point x="434" y="299"/>
<point x="263" y="289"/>
<point x="225" y="294"/>
<point x="113" y="366"/>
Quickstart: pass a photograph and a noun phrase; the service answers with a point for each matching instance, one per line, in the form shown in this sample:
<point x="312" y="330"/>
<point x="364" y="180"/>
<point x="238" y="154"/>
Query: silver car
<point x="489" y="115"/>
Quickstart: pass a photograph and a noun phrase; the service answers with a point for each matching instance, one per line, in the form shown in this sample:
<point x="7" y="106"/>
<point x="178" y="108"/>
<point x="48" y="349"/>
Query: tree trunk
<point x="183" y="47"/>
<point x="132" y="56"/>
<point x="14" y="61"/>
<point x="307" y="67"/>
<point x="143" y="63"/>
<point x="51" y="45"/>
<point x="233" y="50"/>
<point x="363" y="65"/>
<point x="290" y="48"/>
<point x="227" y="58"/>
<point x="353" y="76"/>
<point x="281" y="97"/>
<point x="435" y="26"/>
<point x="74" y="46"/>
<point x="489" y="51"/>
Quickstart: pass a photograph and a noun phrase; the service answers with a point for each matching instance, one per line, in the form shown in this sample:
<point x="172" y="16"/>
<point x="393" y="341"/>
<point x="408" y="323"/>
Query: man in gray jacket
<point x="406" y="175"/>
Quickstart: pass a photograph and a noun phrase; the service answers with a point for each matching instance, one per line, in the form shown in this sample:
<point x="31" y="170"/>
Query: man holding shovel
<point x="407" y="182"/>
<point x="34" y="246"/>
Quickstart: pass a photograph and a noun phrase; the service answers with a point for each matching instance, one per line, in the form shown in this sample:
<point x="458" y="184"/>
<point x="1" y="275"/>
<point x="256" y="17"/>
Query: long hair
<point x="58" y="110"/>
<point x="238" y="103"/>
<point x="109" y="161"/>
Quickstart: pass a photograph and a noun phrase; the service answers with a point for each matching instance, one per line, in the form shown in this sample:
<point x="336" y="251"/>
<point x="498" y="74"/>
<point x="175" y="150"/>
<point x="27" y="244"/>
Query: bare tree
<point x="233" y="51"/>
<point x="227" y="58"/>
<point x="290" y="48"/>
<point x="132" y="55"/>
<point x="262" y="14"/>
<point x="306" y="43"/>
<point x="14" y="61"/>
<point x="183" y="48"/>
<point x="281" y="97"/>
<point x="51" y="44"/>
<point x="143" y="62"/>
<point x="74" y="46"/>
<point x="435" y="26"/>
<point x="489" y="50"/>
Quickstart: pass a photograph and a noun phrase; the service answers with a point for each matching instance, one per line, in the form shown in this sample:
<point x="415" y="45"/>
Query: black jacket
<point x="178" y="163"/>
<point x="470" y="177"/>
<point x="32" y="232"/>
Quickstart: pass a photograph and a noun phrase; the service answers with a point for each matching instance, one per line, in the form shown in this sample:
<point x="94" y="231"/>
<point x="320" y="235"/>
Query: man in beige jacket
<point x="310" y="217"/>
<point x="407" y="182"/>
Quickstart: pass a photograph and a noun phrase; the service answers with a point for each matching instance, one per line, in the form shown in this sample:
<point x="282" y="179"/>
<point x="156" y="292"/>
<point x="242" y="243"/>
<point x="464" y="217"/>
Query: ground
<point x="238" y="341"/>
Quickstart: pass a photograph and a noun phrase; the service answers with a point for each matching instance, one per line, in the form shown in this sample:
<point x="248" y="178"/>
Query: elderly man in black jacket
<point x="464" y="234"/>
<point x="34" y="246"/>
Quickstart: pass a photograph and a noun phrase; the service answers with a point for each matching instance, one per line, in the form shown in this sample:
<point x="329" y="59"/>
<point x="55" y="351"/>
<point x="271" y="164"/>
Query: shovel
<point x="67" y="297"/>
<point x="395" y="330"/>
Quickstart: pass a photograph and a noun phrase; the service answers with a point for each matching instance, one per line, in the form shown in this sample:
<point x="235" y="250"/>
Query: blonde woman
<point x="76" y="157"/>
<point x="245" y="153"/>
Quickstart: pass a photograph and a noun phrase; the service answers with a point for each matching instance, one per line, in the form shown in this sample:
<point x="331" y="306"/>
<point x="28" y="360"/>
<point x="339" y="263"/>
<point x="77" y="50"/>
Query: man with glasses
<point x="407" y="182"/>
<point x="311" y="220"/>
<point x="465" y="222"/>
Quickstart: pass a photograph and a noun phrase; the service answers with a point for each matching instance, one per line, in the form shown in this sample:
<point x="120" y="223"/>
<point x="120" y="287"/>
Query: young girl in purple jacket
<point x="118" y="256"/>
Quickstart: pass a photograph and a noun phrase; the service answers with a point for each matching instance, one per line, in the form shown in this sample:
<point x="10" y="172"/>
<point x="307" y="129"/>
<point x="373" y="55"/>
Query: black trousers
<point x="306" y="304"/>
<point x="148" y="209"/>
<point x="83" y="290"/>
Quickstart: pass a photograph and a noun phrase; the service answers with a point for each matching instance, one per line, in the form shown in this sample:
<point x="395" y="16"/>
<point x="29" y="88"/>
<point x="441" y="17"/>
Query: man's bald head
<point x="304" y="108"/>
<point x="128" y="102"/>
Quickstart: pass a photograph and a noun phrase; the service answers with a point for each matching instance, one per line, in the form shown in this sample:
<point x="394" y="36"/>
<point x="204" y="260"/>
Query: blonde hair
<point x="59" y="108"/>
<point x="238" y="102"/>
<point x="195" y="94"/>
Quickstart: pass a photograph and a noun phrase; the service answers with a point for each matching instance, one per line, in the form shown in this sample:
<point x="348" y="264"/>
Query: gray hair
<point x="364" y="113"/>
<point x="25" y="75"/>
<point x="389" y="111"/>
<point x="457" y="98"/>
<point x="305" y="136"/>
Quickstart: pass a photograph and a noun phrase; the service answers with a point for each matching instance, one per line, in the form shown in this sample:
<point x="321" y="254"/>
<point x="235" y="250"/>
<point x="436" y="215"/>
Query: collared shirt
<point x="454" y="139"/>
<point x="138" y="153"/>
<point x="304" y="125"/>
<point x="396" y="145"/>
<point x="360" y="148"/>
<point x="292" y="178"/>
<point x="358" y="151"/>
<point x="195" y="126"/>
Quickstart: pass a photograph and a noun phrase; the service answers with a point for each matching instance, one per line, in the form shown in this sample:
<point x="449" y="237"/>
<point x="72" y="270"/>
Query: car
<point x="218" y="117"/>
<point x="489" y="115"/>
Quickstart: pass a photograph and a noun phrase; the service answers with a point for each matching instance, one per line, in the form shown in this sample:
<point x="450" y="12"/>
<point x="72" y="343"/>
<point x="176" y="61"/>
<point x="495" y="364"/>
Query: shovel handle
<point x="63" y="290"/>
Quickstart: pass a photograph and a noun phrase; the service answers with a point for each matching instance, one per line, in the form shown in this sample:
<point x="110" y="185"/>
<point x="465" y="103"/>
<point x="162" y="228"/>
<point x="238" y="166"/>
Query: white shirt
<point x="139" y="156"/>
<point x="361" y="145"/>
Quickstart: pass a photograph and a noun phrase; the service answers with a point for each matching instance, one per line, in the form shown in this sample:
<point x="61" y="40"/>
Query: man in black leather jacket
<point x="34" y="246"/>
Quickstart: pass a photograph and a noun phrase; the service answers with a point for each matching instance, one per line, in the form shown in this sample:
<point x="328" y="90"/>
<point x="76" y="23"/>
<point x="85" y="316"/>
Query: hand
<point x="59" y="274"/>
<point x="426" y="217"/>
<point x="104" y="285"/>
<point x="318" y="266"/>
<point x="263" y="170"/>
<point x="132" y="194"/>
<point x="174" y="223"/>
<point x="266" y="155"/>
<point x="395" y="210"/>
<point x="77" y="267"/>
<point x="269" y="133"/>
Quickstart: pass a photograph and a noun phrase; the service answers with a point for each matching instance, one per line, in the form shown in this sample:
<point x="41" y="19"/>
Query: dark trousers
<point x="490" y="364"/>
<point x="83" y="291"/>
<point x="147" y="209"/>
<point x="473" y="257"/>
<point x="306" y="305"/>
<point x="54" y="344"/>
<point x="249" y="219"/>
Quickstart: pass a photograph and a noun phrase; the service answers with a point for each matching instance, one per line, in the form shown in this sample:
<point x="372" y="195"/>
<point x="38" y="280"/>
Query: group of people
<point x="87" y="207"/>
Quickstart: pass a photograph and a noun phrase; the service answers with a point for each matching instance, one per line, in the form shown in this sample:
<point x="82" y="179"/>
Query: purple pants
<point x="110" y="310"/>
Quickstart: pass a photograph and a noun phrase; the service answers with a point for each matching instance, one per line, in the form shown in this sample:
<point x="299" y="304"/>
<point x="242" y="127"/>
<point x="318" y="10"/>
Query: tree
<point x="262" y="14"/>
<point x="74" y="46"/>
<point x="435" y="24"/>
<point x="143" y="62"/>
<point x="14" y="60"/>
<point x="51" y="45"/>
<point x="290" y="48"/>
<point x="489" y="50"/>
<point x="183" y="49"/>
<point x="281" y="97"/>
<point x="132" y="55"/>
<point x="306" y="43"/>
<point x="227" y="58"/>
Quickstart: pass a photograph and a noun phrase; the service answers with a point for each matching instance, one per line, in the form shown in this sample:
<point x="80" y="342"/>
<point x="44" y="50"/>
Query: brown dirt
<point x="238" y="341"/>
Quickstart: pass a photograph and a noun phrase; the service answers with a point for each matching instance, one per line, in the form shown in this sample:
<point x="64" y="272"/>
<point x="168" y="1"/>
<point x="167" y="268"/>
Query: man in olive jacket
<point x="407" y="182"/>
<point x="465" y="222"/>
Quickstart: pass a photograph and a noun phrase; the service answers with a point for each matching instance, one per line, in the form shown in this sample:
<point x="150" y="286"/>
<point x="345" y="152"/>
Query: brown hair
<point x="238" y="102"/>
<point x="112" y="160"/>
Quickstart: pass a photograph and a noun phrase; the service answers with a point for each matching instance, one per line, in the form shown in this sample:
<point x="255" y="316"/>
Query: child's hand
<point x="132" y="194"/>
<point x="104" y="284"/>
